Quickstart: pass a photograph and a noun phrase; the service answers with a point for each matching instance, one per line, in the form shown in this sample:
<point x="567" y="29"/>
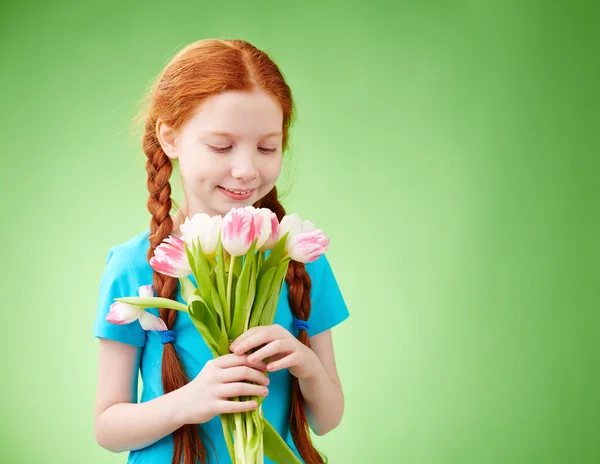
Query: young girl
<point x="222" y="110"/>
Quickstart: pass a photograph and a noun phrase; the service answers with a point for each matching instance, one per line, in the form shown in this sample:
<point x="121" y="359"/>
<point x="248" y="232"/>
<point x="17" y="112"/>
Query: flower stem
<point x="227" y="434"/>
<point x="239" y="438"/>
<point x="229" y="282"/>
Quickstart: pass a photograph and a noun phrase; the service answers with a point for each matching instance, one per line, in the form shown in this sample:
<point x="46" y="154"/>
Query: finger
<point x="248" y="333"/>
<point x="233" y="390"/>
<point x="259" y="338"/>
<point x="258" y="365"/>
<point x="231" y="360"/>
<point x="276" y="346"/>
<point x="236" y="374"/>
<point x="283" y="363"/>
<point x="229" y="407"/>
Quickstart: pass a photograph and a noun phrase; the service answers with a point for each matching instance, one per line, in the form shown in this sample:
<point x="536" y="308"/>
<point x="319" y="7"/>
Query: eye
<point x="219" y="149"/>
<point x="267" y="150"/>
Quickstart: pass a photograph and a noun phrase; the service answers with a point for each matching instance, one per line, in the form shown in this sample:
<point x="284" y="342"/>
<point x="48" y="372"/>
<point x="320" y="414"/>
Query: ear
<point x="167" y="139"/>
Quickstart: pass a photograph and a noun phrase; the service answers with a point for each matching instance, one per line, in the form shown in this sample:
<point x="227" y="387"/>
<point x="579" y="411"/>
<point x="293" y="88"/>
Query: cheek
<point x="199" y="170"/>
<point x="271" y="170"/>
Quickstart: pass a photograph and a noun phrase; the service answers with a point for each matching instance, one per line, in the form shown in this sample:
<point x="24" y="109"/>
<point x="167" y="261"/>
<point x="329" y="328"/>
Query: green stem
<point x="229" y="282"/>
<point x="227" y="434"/>
<point x="239" y="438"/>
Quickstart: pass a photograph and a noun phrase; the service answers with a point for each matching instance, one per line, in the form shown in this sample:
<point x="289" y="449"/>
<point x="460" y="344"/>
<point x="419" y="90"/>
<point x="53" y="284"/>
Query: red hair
<point x="201" y="70"/>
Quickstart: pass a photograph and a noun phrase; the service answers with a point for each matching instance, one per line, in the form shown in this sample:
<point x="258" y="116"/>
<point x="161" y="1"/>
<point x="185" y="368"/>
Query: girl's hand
<point x="283" y="349"/>
<point x="207" y="395"/>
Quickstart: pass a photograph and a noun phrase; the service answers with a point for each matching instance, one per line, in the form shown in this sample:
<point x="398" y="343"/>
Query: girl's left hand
<point x="283" y="349"/>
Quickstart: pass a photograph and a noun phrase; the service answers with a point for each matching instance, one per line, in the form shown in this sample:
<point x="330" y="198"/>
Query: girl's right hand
<point x="207" y="395"/>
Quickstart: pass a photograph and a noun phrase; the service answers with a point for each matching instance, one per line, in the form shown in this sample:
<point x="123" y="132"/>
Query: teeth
<point x="238" y="193"/>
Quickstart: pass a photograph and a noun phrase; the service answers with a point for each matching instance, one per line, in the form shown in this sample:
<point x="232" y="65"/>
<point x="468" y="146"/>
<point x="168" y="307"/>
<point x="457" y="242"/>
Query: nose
<point x="244" y="167"/>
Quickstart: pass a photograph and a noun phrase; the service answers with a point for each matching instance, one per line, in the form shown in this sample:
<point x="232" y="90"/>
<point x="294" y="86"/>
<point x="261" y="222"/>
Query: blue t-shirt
<point x="127" y="269"/>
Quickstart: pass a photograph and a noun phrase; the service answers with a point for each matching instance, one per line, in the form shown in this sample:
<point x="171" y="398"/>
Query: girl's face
<point x="232" y="141"/>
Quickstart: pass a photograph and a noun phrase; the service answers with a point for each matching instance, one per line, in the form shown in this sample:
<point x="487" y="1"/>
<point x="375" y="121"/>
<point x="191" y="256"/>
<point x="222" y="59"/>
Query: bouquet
<point x="239" y="262"/>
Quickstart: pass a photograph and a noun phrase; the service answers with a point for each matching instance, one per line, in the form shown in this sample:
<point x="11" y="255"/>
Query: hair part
<point x="199" y="71"/>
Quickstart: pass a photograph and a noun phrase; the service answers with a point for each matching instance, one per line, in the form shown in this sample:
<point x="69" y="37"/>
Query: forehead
<point x="240" y="114"/>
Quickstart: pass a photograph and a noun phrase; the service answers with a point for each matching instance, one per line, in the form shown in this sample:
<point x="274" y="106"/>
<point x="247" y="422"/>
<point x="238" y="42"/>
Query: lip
<point x="235" y="196"/>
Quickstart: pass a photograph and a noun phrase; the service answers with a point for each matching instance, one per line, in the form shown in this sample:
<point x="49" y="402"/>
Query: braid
<point x="299" y="285"/>
<point x="186" y="439"/>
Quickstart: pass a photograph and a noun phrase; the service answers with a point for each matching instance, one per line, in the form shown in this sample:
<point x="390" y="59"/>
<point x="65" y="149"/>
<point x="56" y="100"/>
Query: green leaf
<point x="237" y="266"/>
<point x="223" y="340"/>
<point x="218" y="308"/>
<point x="204" y="320"/>
<point x="276" y="449"/>
<point x="264" y="284"/>
<point x="243" y="293"/>
<point x="187" y="288"/>
<point x="210" y="342"/>
<point x="268" y="314"/>
<point x="249" y="302"/>
<point x="275" y="255"/>
<point x="152" y="302"/>
<point x="191" y="260"/>
<point x="221" y="285"/>
<point x="203" y="271"/>
<point x="207" y="315"/>
<point x="233" y="286"/>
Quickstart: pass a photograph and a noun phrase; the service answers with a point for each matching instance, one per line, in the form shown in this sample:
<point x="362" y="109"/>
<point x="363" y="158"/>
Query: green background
<point x="448" y="148"/>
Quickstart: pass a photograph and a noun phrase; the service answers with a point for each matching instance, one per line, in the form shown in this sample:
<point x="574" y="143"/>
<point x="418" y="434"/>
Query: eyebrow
<point x="227" y="134"/>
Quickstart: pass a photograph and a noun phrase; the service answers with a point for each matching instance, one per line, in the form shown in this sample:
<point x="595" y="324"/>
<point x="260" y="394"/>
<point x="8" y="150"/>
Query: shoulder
<point x="318" y="267"/>
<point x="132" y="251"/>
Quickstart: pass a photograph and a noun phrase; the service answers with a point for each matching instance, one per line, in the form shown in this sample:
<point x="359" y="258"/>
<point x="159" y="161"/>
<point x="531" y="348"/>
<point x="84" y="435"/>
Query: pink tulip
<point x="293" y="225"/>
<point x="122" y="313"/>
<point x="308" y="246"/>
<point x="269" y="229"/>
<point x="239" y="231"/>
<point x="170" y="258"/>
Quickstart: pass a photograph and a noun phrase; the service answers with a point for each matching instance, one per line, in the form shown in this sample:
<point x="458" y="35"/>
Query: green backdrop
<point x="446" y="147"/>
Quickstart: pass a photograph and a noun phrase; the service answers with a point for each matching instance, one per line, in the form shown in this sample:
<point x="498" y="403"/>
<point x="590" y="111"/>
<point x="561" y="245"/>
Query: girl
<point x="222" y="110"/>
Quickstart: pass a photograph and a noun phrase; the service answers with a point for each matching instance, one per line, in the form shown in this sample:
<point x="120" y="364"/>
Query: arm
<point x="119" y="424"/>
<point x="322" y="390"/>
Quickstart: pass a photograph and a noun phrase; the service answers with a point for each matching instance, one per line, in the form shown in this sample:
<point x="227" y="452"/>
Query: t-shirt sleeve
<point x="118" y="280"/>
<point x="328" y="307"/>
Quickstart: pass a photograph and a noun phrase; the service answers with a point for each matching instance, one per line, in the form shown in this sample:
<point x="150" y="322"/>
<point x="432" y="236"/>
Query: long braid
<point x="299" y="285"/>
<point x="186" y="439"/>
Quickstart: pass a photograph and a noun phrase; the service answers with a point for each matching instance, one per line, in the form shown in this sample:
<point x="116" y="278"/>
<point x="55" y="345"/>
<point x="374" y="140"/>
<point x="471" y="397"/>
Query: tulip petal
<point x="308" y="246"/>
<point x="122" y="313"/>
<point x="170" y="258"/>
<point x="205" y="228"/>
<point x="238" y="231"/>
<point x="267" y="227"/>
<point x="146" y="291"/>
<point x="149" y="321"/>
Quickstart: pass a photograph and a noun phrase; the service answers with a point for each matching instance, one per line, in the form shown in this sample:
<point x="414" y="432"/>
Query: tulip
<point x="170" y="258"/>
<point x="204" y="228"/>
<point x="304" y="243"/>
<point x="308" y="246"/>
<point x="293" y="225"/>
<point x="269" y="229"/>
<point x="239" y="231"/>
<point x="122" y="313"/>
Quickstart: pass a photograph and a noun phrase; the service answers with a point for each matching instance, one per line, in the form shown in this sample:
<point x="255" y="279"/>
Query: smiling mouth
<point x="238" y="192"/>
